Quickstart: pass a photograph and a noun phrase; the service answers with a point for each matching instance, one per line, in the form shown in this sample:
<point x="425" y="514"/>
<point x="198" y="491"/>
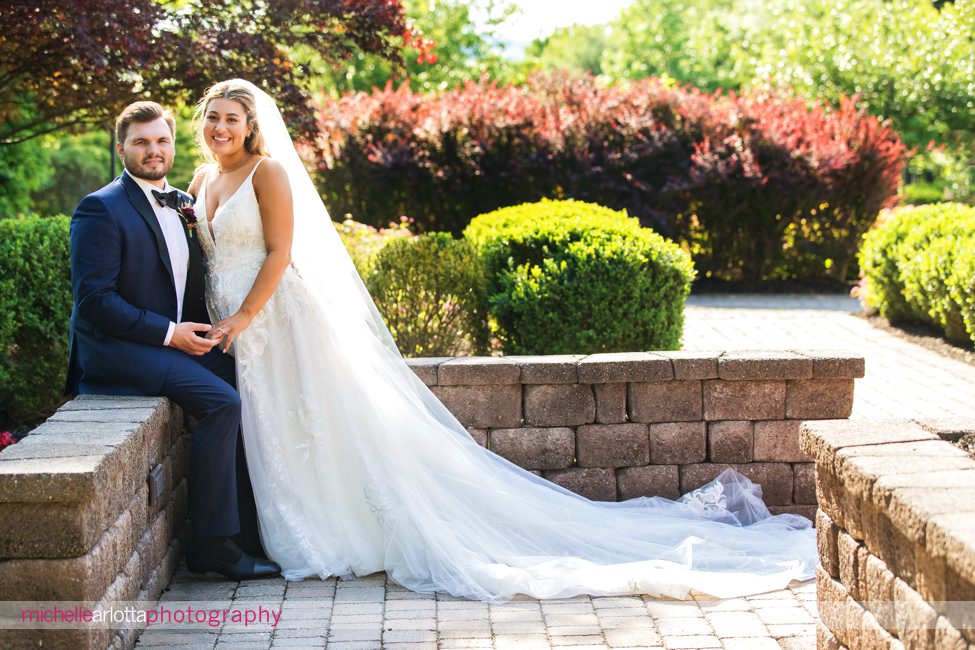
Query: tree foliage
<point x="67" y="62"/>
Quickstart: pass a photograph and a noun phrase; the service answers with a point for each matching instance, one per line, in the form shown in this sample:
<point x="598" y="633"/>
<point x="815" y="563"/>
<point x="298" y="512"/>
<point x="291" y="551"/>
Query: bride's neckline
<point x="206" y="191"/>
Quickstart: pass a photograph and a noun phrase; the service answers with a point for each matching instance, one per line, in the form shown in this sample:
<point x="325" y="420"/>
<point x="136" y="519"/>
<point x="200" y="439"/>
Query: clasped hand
<point x="227" y="330"/>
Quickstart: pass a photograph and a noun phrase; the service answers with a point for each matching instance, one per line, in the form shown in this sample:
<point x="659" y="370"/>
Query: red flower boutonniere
<point x="188" y="215"/>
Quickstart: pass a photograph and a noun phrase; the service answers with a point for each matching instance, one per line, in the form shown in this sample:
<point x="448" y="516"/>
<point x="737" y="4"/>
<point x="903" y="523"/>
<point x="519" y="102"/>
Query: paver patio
<point x="902" y="380"/>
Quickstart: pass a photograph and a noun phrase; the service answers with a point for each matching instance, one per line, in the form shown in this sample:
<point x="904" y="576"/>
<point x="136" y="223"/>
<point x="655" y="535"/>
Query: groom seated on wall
<point x="136" y="329"/>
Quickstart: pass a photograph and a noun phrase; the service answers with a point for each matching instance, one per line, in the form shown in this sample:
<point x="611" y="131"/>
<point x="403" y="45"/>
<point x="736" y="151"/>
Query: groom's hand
<point x="185" y="338"/>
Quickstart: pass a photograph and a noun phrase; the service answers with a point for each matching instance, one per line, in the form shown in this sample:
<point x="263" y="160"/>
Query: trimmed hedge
<point x="918" y="265"/>
<point x="35" y="310"/>
<point x="759" y="187"/>
<point x="430" y="291"/>
<point x="568" y="277"/>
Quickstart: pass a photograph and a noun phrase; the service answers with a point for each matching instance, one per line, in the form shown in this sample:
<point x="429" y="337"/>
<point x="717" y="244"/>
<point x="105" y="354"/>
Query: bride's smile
<point x="225" y="129"/>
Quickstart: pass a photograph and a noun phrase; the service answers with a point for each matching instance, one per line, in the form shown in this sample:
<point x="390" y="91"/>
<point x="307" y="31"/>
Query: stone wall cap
<point x="426" y="368"/>
<point x="478" y="371"/>
<point x="548" y="369"/>
<point x="764" y="364"/>
<point x="835" y="364"/>
<point x="52" y="479"/>
<point x="948" y="428"/>
<point x="690" y="364"/>
<point x="616" y="367"/>
<point x="822" y="438"/>
<point x="952" y="536"/>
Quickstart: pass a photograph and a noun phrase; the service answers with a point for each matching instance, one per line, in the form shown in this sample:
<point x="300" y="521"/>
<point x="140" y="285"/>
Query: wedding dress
<point x="358" y="468"/>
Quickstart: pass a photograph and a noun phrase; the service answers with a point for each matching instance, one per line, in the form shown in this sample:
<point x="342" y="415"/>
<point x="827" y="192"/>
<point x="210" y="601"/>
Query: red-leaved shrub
<point x="758" y="187"/>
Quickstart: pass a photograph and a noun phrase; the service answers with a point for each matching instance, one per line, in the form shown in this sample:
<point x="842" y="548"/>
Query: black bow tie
<point x="167" y="199"/>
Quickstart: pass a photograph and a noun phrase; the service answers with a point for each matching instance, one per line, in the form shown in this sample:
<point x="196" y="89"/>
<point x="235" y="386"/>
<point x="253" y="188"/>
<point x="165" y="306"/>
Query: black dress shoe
<point x="221" y="555"/>
<point x="250" y="545"/>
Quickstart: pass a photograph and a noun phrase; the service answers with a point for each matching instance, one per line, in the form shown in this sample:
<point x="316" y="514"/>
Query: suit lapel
<point x="141" y="204"/>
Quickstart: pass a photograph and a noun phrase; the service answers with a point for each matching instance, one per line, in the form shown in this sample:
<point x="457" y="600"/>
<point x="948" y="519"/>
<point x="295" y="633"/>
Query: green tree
<point x="576" y="47"/>
<point x="465" y="47"/>
<point x="24" y="168"/>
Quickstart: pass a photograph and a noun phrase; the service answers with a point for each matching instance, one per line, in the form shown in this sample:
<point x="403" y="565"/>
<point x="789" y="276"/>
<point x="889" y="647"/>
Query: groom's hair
<point x="141" y="112"/>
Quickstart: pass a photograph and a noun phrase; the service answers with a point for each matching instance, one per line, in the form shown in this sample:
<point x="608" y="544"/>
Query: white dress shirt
<point x="179" y="250"/>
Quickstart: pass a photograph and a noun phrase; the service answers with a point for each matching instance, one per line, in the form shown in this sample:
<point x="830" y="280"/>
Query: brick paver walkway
<point x="902" y="380"/>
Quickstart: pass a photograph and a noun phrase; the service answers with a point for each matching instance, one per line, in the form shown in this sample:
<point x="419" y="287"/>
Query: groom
<point x="136" y="329"/>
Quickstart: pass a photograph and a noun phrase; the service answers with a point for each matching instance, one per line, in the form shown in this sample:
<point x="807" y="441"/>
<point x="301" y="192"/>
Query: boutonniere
<point x="187" y="213"/>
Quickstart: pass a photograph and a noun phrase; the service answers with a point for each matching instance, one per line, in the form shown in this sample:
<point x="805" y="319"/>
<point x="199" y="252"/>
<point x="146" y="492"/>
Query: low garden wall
<point x="896" y="534"/>
<point x="618" y="426"/>
<point x="94" y="501"/>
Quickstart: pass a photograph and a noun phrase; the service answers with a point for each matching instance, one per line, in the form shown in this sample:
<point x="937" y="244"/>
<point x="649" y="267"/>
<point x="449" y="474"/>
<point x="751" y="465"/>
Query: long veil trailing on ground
<point x="361" y="469"/>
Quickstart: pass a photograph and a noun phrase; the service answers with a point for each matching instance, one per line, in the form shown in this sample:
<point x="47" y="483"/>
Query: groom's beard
<point x="139" y="167"/>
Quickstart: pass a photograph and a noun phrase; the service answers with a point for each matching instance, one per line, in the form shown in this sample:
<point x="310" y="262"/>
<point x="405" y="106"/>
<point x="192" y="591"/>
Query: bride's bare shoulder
<point x="270" y="174"/>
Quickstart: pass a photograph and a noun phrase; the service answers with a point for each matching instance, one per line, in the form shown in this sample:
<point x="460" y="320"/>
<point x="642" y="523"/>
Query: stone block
<point x="763" y="365"/>
<point x="665" y="401"/>
<point x="693" y="364"/>
<point x="548" y="369"/>
<point x="90" y="402"/>
<point x="559" y="405"/>
<point x="483" y="406"/>
<point x="825" y="640"/>
<point x="478" y="371"/>
<point x="612" y="445"/>
<point x="847" y="554"/>
<point x="610" y="403"/>
<point x="775" y="479"/>
<point x="837" y="610"/>
<point x="426" y="368"/>
<point x="877" y="589"/>
<point x="911" y="508"/>
<point x="834" y="364"/>
<point x="730" y="441"/>
<point x="142" y="415"/>
<point x="480" y="436"/>
<point x="948" y="428"/>
<point x="595" y="484"/>
<point x="650" y="481"/>
<point x="678" y="443"/>
<point x="819" y="399"/>
<point x="947" y="637"/>
<point x="77" y="578"/>
<point x="744" y="400"/>
<point x="535" y="447"/>
<point x="930" y="575"/>
<point x="823" y="439"/>
<point x="959" y="611"/>
<point x="618" y="367"/>
<point x="952" y="536"/>
<point x="826" y="540"/>
<point x="805" y="483"/>
<point x="778" y="441"/>
<point x="153" y="544"/>
<point x="914" y="617"/>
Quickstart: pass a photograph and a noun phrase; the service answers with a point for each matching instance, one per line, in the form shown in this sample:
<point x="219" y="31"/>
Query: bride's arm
<point x="277" y="217"/>
<point x="198" y="176"/>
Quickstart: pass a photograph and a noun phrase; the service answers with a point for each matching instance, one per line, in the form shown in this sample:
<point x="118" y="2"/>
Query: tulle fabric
<point x="358" y="468"/>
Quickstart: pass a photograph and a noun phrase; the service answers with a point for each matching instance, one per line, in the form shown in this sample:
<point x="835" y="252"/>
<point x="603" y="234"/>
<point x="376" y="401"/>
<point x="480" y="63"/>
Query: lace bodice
<point x="233" y="244"/>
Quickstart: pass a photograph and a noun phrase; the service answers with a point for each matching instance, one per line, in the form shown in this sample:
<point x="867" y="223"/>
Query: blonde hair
<point x="253" y="143"/>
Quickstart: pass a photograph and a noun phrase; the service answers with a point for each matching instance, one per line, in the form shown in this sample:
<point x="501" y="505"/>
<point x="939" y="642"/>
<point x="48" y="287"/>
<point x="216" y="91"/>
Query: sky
<point x="540" y="17"/>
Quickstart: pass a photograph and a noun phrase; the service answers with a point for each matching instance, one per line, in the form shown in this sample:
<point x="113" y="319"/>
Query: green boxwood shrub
<point x="569" y="277"/>
<point x="430" y="290"/>
<point x="35" y="309"/>
<point x="918" y="267"/>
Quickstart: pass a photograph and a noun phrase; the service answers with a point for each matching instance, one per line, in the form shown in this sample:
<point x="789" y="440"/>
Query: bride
<point x="358" y="468"/>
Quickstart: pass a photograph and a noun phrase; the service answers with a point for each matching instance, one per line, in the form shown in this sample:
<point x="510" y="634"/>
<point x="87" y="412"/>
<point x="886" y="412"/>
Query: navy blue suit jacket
<point x="124" y="293"/>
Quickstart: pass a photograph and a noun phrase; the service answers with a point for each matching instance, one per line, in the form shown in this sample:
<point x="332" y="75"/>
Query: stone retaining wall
<point x="896" y="534"/>
<point x="617" y="426"/>
<point x="91" y="503"/>
<point x="94" y="501"/>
